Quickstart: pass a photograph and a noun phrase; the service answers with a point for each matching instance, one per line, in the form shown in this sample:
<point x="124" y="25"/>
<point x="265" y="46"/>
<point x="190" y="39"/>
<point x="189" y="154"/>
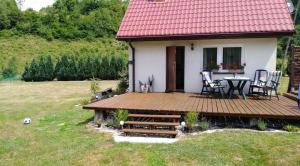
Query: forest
<point x="66" y="19"/>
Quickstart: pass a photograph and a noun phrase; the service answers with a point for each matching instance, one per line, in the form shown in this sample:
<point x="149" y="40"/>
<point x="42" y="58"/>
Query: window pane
<point x="231" y="57"/>
<point x="209" y="58"/>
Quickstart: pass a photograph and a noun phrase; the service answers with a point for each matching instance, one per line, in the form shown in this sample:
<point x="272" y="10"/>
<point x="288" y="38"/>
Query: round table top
<point x="237" y="78"/>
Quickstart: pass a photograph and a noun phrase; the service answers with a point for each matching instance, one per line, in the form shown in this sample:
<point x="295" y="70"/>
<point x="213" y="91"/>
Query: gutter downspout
<point x="132" y="62"/>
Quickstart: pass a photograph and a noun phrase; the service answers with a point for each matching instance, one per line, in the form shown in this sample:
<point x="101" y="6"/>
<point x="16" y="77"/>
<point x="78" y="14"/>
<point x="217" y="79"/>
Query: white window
<point x="232" y="58"/>
<point x="210" y="58"/>
<point x="223" y="58"/>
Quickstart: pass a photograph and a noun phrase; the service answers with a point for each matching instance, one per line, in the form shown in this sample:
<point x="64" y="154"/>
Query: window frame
<point x="224" y="67"/>
<point x="220" y="55"/>
<point x="203" y="56"/>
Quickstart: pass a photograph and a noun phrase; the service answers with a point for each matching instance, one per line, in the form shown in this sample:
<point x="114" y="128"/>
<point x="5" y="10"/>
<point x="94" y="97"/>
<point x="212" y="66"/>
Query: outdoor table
<point x="240" y="86"/>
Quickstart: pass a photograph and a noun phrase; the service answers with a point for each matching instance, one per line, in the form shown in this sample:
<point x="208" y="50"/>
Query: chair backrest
<point x="274" y="79"/>
<point x="209" y="74"/>
<point x="261" y="75"/>
<point x="206" y="77"/>
<point x="151" y="80"/>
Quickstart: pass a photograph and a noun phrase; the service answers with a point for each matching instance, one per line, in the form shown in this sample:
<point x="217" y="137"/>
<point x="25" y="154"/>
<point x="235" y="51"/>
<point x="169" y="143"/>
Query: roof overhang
<point x="207" y="36"/>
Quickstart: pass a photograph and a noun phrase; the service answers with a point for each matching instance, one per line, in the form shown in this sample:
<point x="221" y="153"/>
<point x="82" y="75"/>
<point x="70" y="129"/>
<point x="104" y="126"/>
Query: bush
<point x="66" y="69"/>
<point x="291" y="128"/>
<point x="89" y="65"/>
<point x="84" y="101"/>
<point x="10" y="70"/>
<point x="120" y="115"/>
<point x="124" y="82"/>
<point x="204" y="124"/>
<point x="99" y="122"/>
<point x="8" y="73"/>
<point x="261" y="125"/>
<point x="191" y="119"/>
<point x="94" y="87"/>
<point x="109" y="123"/>
<point x="83" y="65"/>
<point x="40" y="69"/>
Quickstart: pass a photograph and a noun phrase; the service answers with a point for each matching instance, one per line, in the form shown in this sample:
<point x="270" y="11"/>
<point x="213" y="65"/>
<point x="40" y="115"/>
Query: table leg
<point x="238" y="87"/>
<point x="231" y="89"/>
<point x="241" y="90"/>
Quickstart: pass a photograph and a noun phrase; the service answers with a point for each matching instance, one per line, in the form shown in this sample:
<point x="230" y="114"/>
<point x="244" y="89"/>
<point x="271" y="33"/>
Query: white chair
<point x="214" y="87"/>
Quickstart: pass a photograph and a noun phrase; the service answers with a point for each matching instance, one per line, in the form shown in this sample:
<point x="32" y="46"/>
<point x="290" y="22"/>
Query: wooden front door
<point x="171" y="69"/>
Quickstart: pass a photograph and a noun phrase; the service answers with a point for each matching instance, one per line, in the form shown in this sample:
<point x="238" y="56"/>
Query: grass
<point x="58" y="136"/>
<point x="24" y="48"/>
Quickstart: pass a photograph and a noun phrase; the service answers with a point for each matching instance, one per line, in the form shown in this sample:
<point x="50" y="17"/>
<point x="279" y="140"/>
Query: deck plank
<point x="184" y="102"/>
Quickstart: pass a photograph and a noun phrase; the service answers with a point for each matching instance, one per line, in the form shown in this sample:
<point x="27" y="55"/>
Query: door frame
<point x="167" y="73"/>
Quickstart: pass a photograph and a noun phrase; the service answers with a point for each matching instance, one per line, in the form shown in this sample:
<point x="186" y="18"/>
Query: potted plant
<point x="213" y="67"/>
<point x="191" y="119"/>
<point x="235" y="68"/>
<point x="204" y="125"/>
<point x="242" y="67"/>
<point x="98" y="123"/>
<point x="120" y="115"/>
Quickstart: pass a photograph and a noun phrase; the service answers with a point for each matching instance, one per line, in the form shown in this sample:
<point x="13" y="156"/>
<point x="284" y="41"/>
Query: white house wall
<point x="150" y="59"/>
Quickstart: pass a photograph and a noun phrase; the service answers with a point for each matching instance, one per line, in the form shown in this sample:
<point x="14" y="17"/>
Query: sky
<point x="36" y="4"/>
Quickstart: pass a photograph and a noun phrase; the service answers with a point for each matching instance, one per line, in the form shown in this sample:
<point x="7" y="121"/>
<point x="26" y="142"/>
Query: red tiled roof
<point x="145" y="19"/>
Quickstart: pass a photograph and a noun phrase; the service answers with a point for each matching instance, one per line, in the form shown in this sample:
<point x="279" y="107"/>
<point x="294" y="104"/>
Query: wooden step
<point x="154" y="116"/>
<point x="294" y="93"/>
<point x="152" y="123"/>
<point x="291" y="96"/>
<point x="144" y="131"/>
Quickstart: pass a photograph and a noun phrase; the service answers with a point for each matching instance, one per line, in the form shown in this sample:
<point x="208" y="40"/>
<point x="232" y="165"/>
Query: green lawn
<point x="58" y="136"/>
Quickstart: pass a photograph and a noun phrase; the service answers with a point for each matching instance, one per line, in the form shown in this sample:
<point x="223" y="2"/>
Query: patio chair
<point x="259" y="81"/>
<point x="150" y="83"/>
<point x="148" y="86"/>
<point x="272" y="84"/>
<point x="205" y="85"/>
<point x="209" y="86"/>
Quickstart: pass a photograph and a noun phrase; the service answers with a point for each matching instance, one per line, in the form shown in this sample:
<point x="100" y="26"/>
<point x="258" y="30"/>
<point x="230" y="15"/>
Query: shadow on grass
<point x="85" y="121"/>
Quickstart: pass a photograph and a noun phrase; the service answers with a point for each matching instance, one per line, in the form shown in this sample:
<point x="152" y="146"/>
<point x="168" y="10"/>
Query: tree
<point x="41" y="72"/>
<point x="9" y="14"/>
<point x="33" y="70"/>
<point x="61" y="68"/>
<point x="49" y="69"/>
<point x="66" y="19"/>
<point x="113" y="68"/>
<point x="105" y="68"/>
<point x="26" y="76"/>
<point x="80" y="68"/>
<point x="97" y="67"/>
<point x="20" y="3"/>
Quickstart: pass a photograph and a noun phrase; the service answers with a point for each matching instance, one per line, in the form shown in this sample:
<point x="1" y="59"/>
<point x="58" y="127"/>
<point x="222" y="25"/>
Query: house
<point x="174" y="40"/>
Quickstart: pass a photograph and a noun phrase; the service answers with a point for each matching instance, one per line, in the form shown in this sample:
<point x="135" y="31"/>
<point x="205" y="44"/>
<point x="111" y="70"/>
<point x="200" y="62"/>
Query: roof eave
<point x="207" y="36"/>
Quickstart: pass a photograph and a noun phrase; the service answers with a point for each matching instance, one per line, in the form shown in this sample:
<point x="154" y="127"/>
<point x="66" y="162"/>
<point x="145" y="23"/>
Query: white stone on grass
<point x="27" y="120"/>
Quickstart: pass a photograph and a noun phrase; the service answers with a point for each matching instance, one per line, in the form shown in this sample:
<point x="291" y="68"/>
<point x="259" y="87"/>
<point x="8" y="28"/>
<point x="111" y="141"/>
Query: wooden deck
<point x="184" y="102"/>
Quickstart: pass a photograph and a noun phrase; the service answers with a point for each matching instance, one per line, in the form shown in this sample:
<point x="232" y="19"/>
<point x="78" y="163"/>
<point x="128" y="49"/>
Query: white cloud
<point x="36" y="4"/>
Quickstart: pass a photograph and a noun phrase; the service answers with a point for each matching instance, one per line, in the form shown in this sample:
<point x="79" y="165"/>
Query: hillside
<point x="24" y="48"/>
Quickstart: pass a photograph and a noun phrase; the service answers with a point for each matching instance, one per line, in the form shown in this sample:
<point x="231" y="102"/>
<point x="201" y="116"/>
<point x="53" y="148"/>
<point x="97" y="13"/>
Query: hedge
<point x="75" y="66"/>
